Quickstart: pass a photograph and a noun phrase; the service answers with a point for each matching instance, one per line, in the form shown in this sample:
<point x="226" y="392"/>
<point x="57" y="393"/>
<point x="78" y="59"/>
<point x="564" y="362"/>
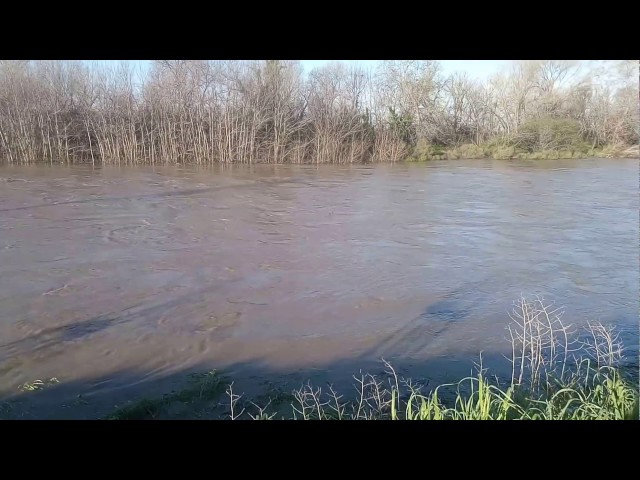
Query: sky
<point x="480" y="69"/>
<point x="603" y="71"/>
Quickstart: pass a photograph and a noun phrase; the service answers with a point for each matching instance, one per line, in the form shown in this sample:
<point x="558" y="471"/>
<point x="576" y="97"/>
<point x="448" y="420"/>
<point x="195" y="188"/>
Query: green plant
<point x="466" y="151"/>
<point x="402" y="125"/>
<point x="424" y="151"/>
<point x="38" y="385"/>
<point x="557" y="372"/>
<point x="549" y="133"/>
<point x="503" y="152"/>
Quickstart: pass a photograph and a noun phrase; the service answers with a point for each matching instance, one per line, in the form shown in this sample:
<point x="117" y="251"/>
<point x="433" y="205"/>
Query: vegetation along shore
<point x="207" y="112"/>
<point x="557" y="371"/>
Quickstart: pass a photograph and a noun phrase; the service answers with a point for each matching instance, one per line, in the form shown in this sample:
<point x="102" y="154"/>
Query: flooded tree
<point x="205" y="112"/>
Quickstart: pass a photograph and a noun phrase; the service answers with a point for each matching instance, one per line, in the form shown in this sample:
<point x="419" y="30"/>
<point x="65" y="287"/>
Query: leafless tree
<point x="205" y="112"/>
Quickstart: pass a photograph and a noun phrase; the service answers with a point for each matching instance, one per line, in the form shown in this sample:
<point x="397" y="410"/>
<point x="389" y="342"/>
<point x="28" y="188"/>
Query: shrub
<point x="468" y="150"/>
<point x="613" y="151"/>
<point x="549" y="134"/>
<point x="424" y="151"/>
<point x="403" y="126"/>
<point x="503" y="152"/>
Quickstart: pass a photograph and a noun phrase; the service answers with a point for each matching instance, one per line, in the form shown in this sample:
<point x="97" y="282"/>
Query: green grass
<point x="607" y="396"/>
<point x="558" y="373"/>
<point x="610" y="398"/>
<point x="600" y="394"/>
<point x="597" y="393"/>
<point x="504" y="150"/>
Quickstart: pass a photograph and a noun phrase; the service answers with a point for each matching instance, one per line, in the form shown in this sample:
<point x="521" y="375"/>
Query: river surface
<point x="112" y="277"/>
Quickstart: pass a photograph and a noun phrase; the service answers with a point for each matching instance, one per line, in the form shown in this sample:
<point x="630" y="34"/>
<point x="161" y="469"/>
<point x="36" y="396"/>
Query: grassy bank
<point x="600" y="394"/>
<point x="424" y="152"/>
<point x="557" y="372"/>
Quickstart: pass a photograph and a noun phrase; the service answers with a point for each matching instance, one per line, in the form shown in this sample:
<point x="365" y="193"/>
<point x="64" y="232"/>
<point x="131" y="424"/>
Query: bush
<point x="550" y="134"/>
<point x="503" y="152"/>
<point x="468" y="150"/>
<point x="402" y="125"/>
<point x="613" y="151"/>
<point x="425" y="151"/>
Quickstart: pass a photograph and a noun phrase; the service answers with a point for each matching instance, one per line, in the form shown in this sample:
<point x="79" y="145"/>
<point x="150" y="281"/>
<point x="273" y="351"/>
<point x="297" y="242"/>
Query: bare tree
<point x="205" y="112"/>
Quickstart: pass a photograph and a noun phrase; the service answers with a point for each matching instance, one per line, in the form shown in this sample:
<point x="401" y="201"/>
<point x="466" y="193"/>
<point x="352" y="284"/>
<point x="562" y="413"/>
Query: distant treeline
<point x="203" y="112"/>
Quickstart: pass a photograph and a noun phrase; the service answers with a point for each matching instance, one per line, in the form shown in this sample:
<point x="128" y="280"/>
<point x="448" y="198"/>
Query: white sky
<point x="480" y="69"/>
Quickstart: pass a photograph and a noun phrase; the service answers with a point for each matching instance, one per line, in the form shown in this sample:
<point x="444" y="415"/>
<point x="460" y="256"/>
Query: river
<point x="111" y="278"/>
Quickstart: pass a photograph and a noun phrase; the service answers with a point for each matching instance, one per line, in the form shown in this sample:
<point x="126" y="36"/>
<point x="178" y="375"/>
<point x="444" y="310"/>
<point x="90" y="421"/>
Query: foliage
<point x="550" y="134"/>
<point x="402" y="126"/>
<point x="468" y="150"/>
<point x="425" y="151"/>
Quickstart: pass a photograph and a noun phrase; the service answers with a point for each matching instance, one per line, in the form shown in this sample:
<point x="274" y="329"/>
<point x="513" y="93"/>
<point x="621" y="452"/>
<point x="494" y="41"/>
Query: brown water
<point x="111" y="277"/>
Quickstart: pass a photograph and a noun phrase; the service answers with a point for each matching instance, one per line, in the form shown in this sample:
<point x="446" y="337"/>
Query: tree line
<point x="204" y="112"/>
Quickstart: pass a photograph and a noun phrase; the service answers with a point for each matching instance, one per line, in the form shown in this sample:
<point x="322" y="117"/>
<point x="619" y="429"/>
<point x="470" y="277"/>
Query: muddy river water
<point x="110" y="278"/>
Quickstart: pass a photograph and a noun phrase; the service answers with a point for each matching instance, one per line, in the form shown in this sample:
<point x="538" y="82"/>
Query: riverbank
<point x="420" y="153"/>
<point x="424" y="153"/>
<point x="556" y="373"/>
<point x="465" y="152"/>
<point x="603" y="393"/>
